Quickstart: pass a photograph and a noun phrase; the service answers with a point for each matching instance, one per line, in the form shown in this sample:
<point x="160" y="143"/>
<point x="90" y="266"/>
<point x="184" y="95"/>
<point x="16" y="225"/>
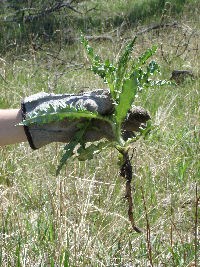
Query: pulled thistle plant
<point x="125" y="79"/>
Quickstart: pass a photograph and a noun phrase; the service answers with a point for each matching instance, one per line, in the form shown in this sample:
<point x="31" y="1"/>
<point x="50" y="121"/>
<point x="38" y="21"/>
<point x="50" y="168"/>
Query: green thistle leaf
<point x="69" y="151"/>
<point x="87" y="153"/>
<point x="152" y="68"/>
<point x="52" y="114"/>
<point x="69" y="148"/>
<point x="144" y="57"/>
<point x="123" y="64"/>
<point x="126" y="98"/>
<point x="106" y="70"/>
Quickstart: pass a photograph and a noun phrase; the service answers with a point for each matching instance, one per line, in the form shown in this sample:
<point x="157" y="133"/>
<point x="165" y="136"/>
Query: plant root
<point x="127" y="172"/>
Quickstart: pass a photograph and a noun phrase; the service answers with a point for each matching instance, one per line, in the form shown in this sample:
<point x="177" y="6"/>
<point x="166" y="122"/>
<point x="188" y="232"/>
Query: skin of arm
<point x="10" y="132"/>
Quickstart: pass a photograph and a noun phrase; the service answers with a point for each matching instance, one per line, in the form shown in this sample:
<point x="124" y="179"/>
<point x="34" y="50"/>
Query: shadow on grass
<point x="138" y="12"/>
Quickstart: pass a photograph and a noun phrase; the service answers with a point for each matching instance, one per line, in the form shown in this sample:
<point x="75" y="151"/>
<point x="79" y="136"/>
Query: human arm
<point x="10" y="131"/>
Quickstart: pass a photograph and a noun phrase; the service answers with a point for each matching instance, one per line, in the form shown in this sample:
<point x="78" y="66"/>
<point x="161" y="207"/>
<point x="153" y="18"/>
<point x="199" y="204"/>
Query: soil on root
<point x="126" y="171"/>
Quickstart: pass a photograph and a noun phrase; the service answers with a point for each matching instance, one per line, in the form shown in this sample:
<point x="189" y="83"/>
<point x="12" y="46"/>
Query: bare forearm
<point x="10" y="132"/>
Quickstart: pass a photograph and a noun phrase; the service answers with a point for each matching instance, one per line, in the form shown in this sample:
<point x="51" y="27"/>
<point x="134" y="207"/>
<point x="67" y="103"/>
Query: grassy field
<point x="80" y="218"/>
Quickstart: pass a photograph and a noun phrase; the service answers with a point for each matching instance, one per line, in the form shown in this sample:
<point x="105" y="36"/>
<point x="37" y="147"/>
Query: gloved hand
<point x="63" y="131"/>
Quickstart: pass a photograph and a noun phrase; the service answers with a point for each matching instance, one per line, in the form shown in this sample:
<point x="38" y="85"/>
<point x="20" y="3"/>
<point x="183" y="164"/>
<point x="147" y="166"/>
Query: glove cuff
<point x="26" y="128"/>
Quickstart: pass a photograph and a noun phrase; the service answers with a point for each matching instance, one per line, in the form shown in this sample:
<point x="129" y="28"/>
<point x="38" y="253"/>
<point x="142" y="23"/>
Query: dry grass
<point x="80" y="217"/>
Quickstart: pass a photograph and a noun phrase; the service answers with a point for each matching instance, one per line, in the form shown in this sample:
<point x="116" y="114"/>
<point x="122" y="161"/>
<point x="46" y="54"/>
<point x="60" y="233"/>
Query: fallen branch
<point x="50" y="10"/>
<point x="159" y="26"/>
<point x="95" y="38"/>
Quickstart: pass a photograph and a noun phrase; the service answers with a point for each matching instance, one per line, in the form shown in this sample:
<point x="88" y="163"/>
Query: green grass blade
<point x="66" y="262"/>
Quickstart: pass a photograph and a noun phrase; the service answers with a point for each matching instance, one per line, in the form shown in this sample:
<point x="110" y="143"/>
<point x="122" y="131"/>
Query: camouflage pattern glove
<point x="63" y="131"/>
